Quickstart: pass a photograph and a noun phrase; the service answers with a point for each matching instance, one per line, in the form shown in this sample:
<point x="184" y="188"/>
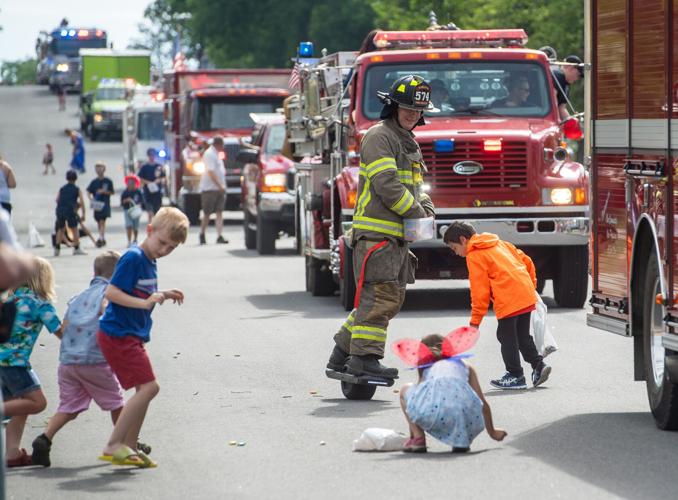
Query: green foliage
<point x="20" y="72"/>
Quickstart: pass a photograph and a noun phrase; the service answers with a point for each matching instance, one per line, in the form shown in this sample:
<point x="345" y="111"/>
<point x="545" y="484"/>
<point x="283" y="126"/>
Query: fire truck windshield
<point x="150" y="127"/>
<point x="231" y="113"/>
<point x="111" y="94"/>
<point x="276" y="138"/>
<point x="505" y="88"/>
<point x="70" y="46"/>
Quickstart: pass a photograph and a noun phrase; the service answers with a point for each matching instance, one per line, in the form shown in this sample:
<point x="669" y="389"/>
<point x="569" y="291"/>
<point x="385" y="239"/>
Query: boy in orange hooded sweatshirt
<point x="501" y="273"/>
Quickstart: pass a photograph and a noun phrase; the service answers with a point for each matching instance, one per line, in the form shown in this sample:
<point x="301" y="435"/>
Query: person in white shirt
<point x="213" y="189"/>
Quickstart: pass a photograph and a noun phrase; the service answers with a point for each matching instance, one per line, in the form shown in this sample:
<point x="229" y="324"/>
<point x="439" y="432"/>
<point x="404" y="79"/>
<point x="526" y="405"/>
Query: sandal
<point x="126" y="456"/>
<point x="22" y="460"/>
<point x="148" y="463"/>
<point x="146" y="448"/>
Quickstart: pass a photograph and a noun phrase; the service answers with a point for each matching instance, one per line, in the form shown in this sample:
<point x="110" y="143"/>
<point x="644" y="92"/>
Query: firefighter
<point x="389" y="190"/>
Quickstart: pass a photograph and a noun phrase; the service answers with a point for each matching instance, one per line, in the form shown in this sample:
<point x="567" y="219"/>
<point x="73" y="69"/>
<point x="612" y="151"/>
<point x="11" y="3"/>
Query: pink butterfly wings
<point x="414" y="353"/>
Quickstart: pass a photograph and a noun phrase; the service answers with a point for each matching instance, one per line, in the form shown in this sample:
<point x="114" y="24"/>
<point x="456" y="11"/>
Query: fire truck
<point x="504" y="168"/>
<point x="631" y="112"/>
<point x="201" y="104"/>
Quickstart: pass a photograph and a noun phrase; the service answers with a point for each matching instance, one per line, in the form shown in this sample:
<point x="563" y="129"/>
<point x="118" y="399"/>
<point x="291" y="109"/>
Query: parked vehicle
<point x="633" y="177"/>
<point x="58" y="55"/>
<point x="109" y="78"/>
<point x="201" y="104"/>
<point x="504" y="169"/>
<point x="267" y="185"/>
<point x="143" y="128"/>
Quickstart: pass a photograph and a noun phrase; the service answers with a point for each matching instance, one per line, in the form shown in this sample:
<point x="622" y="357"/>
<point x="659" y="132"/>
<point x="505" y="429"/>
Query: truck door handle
<point x="646" y="195"/>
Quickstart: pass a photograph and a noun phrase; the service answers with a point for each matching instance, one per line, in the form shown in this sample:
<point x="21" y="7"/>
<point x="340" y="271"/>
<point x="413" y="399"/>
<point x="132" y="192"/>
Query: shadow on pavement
<point x="251" y="254"/>
<point x="298" y="302"/>
<point x="606" y="450"/>
<point x="344" y="408"/>
<point x="433" y="455"/>
<point x="437" y="300"/>
<point x="103" y="481"/>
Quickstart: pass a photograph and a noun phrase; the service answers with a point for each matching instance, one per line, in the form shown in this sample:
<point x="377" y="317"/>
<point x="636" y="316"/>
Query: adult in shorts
<point x="213" y="189"/>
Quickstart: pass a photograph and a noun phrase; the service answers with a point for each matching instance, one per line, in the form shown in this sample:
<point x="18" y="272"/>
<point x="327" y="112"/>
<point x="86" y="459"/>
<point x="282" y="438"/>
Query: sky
<point x="22" y="20"/>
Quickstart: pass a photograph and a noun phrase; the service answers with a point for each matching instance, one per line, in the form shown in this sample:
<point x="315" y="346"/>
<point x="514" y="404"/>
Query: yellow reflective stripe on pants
<point x="348" y="324"/>
<point x="369" y="333"/>
<point x="378" y="225"/>
<point x="404" y="204"/>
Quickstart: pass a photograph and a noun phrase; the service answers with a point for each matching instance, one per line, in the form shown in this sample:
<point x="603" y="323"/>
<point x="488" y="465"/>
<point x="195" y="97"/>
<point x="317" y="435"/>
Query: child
<point x="132" y="196"/>
<point x="68" y="201"/>
<point x="83" y="372"/>
<point x="48" y="159"/>
<point x="100" y="191"/>
<point x="126" y="325"/>
<point x="499" y="272"/>
<point x="21" y="390"/>
<point x="447" y="402"/>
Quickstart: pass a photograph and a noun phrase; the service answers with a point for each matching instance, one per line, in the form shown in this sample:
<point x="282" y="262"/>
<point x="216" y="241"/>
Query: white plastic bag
<point x="543" y="338"/>
<point x="375" y="439"/>
<point x="97" y="205"/>
<point x="34" y="238"/>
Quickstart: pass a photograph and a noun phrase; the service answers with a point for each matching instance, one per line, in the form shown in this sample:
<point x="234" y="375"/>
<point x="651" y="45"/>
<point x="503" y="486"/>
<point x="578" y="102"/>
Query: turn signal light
<point x="492" y="145"/>
<point x="580" y="196"/>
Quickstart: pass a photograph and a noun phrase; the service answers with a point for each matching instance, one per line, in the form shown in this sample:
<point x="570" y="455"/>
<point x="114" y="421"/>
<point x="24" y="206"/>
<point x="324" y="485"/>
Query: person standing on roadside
<point x="100" y="191"/>
<point x="213" y="189"/>
<point x="7" y="182"/>
<point x="152" y="176"/>
<point x="61" y="96"/>
<point x="78" y="155"/>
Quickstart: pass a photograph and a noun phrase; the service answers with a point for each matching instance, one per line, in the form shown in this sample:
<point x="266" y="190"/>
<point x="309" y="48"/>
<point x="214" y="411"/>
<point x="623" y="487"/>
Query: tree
<point x="21" y="72"/>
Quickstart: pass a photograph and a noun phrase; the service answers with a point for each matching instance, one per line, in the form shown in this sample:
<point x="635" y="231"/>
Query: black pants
<point x="514" y="336"/>
<point x="7" y="206"/>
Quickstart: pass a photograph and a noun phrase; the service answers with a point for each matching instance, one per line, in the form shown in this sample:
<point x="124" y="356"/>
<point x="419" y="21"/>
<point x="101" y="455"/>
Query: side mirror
<point x="246" y="156"/>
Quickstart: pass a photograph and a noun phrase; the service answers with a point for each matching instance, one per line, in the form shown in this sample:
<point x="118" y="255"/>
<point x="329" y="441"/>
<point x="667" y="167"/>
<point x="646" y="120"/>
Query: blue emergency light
<point x="162" y="153"/>
<point x="443" y="145"/>
<point x="306" y="49"/>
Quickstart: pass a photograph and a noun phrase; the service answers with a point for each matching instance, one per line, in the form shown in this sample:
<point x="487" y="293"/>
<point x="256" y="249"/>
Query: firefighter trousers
<point x="382" y="270"/>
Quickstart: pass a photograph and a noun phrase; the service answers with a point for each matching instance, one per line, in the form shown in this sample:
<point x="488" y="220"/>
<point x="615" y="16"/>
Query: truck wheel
<point x="192" y="208"/>
<point x="662" y="394"/>
<point x="319" y="277"/>
<point x="541" y="283"/>
<point x="571" y="282"/>
<point x="266" y="236"/>
<point x="347" y="282"/>
<point x="250" y="232"/>
<point x="358" y="391"/>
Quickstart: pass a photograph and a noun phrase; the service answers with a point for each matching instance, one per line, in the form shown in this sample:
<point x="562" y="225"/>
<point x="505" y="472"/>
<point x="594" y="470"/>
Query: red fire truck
<point x="498" y="165"/>
<point x="201" y="104"/>
<point x="634" y="102"/>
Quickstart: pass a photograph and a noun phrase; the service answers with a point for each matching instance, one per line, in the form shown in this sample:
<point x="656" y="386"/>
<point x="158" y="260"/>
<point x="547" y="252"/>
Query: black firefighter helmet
<point x="410" y="92"/>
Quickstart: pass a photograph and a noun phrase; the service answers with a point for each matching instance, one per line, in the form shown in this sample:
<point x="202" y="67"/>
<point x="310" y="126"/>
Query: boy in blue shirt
<point x="100" y="191"/>
<point x="126" y="326"/>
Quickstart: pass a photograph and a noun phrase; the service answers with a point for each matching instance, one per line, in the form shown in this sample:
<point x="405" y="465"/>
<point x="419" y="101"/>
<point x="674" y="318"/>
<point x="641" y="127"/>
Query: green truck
<point x="108" y="80"/>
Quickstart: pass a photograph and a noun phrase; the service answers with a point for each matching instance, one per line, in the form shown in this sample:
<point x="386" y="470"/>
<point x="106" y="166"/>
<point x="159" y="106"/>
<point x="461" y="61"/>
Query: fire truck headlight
<point x="274" y="183"/>
<point x="198" y="167"/>
<point x="557" y="196"/>
<point x="62" y="68"/>
<point x="98" y="117"/>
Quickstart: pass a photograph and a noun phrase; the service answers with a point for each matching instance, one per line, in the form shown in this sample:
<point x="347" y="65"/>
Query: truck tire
<point x="250" y="234"/>
<point x="347" y="280"/>
<point x="571" y="282"/>
<point x="662" y="394"/>
<point x="192" y="208"/>
<point x="319" y="277"/>
<point x="358" y="391"/>
<point x="266" y="235"/>
<point x="541" y="283"/>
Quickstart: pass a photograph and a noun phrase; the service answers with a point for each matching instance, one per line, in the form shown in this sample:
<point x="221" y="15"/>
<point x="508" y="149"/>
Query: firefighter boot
<point x="337" y="359"/>
<point x="370" y="366"/>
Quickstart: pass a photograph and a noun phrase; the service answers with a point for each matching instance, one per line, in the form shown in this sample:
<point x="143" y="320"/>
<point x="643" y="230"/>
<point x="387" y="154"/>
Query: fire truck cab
<point x="492" y="147"/>
<point x="632" y="116"/>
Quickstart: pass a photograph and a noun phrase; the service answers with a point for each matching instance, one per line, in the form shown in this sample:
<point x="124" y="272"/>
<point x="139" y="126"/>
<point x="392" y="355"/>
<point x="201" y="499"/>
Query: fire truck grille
<point x="506" y="169"/>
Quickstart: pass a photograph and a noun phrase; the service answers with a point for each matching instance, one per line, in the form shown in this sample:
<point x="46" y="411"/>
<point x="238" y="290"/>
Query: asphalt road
<point x="243" y="360"/>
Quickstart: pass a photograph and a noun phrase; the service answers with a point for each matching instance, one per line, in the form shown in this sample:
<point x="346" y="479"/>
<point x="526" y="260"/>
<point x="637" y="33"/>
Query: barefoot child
<point x="21" y="390"/>
<point x="83" y="372"/>
<point x="447" y="402"/>
<point x="126" y="326"/>
<point x="499" y="272"/>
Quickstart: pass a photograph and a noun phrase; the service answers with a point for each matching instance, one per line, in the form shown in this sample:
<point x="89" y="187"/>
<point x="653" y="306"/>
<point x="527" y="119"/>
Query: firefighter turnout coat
<point x="389" y="190"/>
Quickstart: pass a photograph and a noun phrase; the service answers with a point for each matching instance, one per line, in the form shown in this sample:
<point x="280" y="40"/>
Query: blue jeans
<point x="17" y="381"/>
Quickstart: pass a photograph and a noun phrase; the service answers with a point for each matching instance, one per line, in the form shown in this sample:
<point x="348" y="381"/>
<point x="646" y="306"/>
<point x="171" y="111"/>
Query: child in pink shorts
<point x="84" y="375"/>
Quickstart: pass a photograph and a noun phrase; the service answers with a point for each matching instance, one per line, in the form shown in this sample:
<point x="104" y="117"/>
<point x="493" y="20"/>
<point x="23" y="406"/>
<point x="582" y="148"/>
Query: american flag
<point x="294" y="78"/>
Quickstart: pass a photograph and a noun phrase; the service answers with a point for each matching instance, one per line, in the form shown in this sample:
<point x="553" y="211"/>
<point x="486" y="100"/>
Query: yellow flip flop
<point x="148" y="462"/>
<point x="127" y="456"/>
<point x="105" y="458"/>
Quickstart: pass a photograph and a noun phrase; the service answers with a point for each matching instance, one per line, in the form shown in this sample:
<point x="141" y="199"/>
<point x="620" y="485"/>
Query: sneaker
<point x="415" y="445"/>
<point x="99" y="243"/>
<point x="78" y="251"/>
<point x="222" y="240"/>
<point x="41" y="447"/>
<point x="337" y="359"/>
<point x="509" y="382"/>
<point x="369" y="365"/>
<point x="540" y="374"/>
<point x="57" y="251"/>
<point x="203" y="241"/>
